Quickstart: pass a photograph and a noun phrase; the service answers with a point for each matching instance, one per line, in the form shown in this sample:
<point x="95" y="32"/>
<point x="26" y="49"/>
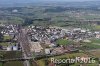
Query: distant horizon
<point x="32" y="1"/>
<point x="12" y="3"/>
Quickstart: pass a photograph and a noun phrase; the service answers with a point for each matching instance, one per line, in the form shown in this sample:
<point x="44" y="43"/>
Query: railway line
<point x="25" y="45"/>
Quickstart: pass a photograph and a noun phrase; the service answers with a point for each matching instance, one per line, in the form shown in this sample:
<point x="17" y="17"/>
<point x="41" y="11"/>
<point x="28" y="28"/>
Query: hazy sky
<point x="30" y="1"/>
<point x="70" y="0"/>
<point x="64" y="0"/>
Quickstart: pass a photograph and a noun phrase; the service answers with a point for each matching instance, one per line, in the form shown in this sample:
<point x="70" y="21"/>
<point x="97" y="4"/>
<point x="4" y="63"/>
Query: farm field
<point x="41" y="62"/>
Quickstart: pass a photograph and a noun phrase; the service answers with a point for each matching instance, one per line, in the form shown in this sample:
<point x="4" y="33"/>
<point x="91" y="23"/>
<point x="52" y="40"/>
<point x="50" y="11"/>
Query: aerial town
<point x="36" y="42"/>
<point x="49" y="33"/>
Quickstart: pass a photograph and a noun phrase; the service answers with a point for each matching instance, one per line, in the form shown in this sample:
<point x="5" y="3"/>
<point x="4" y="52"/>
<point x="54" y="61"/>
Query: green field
<point x="95" y="40"/>
<point x="11" y="55"/>
<point x="63" y="42"/>
<point x="13" y="63"/>
<point x="51" y="15"/>
<point x="91" y="46"/>
<point x="1" y="64"/>
<point x="7" y="38"/>
<point x="97" y="27"/>
<point x="5" y="44"/>
<point x="41" y="62"/>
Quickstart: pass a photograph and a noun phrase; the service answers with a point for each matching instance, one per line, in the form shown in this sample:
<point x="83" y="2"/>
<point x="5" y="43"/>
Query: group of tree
<point x="1" y="35"/>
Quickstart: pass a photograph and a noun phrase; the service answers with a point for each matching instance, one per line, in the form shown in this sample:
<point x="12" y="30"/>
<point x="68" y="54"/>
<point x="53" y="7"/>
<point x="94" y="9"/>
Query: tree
<point x="28" y="21"/>
<point x="1" y="36"/>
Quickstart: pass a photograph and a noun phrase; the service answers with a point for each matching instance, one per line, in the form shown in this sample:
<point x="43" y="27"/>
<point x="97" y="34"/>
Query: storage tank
<point x="9" y="48"/>
<point x="15" y="48"/>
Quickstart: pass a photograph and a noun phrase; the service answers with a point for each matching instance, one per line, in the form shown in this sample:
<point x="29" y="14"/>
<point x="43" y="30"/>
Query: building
<point x="9" y="48"/>
<point x="15" y="48"/>
<point x="98" y="36"/>
<point x="47" y="51"/>
<point x="36" y="47"/>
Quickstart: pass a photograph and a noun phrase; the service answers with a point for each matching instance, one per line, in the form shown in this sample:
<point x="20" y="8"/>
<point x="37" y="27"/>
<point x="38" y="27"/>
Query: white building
<point x="9" y="48"/>
<point x="15" y="48"/>
<point x="15" y="10"/>
<point x="47" y="51"/>
<point x="98" y="36"/>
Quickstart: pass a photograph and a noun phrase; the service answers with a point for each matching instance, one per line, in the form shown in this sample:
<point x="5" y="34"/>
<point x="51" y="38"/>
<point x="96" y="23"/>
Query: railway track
<point x="25" y="45"/>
